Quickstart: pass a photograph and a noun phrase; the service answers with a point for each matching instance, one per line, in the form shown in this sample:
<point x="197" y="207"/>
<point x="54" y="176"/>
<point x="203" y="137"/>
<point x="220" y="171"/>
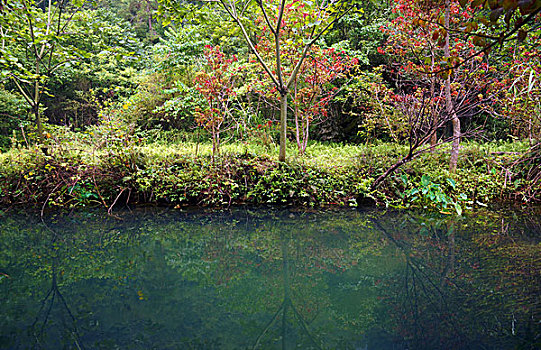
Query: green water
<point x="270" y="279"/>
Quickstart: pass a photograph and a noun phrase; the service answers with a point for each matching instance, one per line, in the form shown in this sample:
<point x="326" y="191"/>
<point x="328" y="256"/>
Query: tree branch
<point x="249" y="42"/>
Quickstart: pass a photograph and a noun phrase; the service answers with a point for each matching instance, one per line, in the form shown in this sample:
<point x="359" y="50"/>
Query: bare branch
<point x="22" y="90"/>
<point x="249" y="42"/>
<point x="260" y="4"/>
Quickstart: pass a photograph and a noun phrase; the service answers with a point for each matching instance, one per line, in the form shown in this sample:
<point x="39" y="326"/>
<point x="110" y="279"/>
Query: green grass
<point x="244" y="171"/>
<point x="321" y="155"/>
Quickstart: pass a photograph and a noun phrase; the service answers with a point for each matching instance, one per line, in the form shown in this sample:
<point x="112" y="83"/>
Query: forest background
<point x="433" y="104"/>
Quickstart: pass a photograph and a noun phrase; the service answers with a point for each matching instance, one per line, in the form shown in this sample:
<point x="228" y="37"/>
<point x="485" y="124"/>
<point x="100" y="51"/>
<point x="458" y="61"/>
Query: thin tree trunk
<point x="36" y="108"/>
<point x="297" y="130"/>
<point x="218" y="142"/>
<point x="306" y="134"/>
<point x="434" y="138"/>
<point x="149" y="14"/>
<point x="39" y="124"/>
<point x="449" y="102"/>
<point x="197" y="143"/>
<point x="283" y="126"/>
<point x="213" y="131"/>
<point x="456" y="144"/>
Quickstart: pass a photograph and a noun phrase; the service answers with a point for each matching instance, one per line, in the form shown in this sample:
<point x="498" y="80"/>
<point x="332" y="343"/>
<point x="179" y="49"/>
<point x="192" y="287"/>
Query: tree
<point x="481" y="25"/>
<point x="35" y="45"/>
<point x="448" y="100"/>
<point x="430" y="93"/>
<point x="519" y="19"/>
<point x="314" y="87"/>
<point x="13" y="115"/>
<point x="518" y="87"/>
<point x="112" y="56"/>
<point x="318" y="17"/>
<point x="415" y="49"/>
<point x="422" y="31"/>
<point x="215" y="83"/>
<point x="139" y="13"/>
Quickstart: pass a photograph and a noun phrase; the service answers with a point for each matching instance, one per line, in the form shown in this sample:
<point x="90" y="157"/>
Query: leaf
<point x="452" y="183"/>
<point x="404" y="179"/>
<point x="458" y="209"/>
<point x="444" y="199"/>
<point x="425" y="180"/>
<point x="412" y="192"/>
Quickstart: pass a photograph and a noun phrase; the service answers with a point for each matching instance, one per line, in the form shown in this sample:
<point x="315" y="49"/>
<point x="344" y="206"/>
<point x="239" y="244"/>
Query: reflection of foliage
<point x="223" y="279"/>
<point x="453" y="279"/>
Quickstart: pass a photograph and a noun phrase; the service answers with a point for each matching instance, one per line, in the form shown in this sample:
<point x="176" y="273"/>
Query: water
<point x="270" y="279"/>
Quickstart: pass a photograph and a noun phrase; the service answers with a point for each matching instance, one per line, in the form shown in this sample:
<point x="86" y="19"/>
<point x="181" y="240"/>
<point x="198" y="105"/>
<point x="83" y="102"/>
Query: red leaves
<point x="215" y="84"/>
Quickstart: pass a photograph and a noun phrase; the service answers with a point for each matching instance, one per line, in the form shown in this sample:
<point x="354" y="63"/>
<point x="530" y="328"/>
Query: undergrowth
<point x="78" y="173"/>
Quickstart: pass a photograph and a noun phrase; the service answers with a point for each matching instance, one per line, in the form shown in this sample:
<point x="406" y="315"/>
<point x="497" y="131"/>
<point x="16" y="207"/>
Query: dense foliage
<point x="92" y="91"/>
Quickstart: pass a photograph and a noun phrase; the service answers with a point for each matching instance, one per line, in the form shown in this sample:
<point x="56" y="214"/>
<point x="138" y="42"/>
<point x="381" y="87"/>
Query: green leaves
<point x="36" y="43"/>
<point x="433" y="195"/>
<point x="425" y="180"/>
<point x="458" y="209"/>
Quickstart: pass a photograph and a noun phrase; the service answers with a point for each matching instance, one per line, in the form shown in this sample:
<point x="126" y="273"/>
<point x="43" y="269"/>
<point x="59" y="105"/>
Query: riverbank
<point x="76" y="173"/>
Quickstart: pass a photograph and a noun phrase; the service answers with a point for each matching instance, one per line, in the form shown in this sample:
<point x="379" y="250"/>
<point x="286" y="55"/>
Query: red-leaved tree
<point x="215" y="82"/>
<point x="432" y="58"/>
<point x="314" y="86"/>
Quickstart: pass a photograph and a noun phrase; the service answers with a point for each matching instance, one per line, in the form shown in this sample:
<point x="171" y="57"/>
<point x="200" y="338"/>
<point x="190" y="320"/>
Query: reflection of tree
<point x="45" y="312"/>
<point x="283" y="273"/>
<point x="45" y="263"/>
<point x="286" y="303"/>
<point x="336" y="280"/>
<point x="450" y="290"/>
<point x="425" y="303"/>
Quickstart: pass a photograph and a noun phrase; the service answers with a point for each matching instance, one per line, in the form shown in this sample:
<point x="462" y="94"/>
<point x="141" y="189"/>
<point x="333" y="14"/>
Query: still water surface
<point x="270" y="279"/>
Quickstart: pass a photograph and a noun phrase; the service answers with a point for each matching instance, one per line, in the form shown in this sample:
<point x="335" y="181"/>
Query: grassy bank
<point x="78" y="173"/>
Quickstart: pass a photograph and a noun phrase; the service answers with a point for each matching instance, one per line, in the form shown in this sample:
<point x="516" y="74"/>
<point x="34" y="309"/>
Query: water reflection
<point x="54" y="299"/>
<point x="269" y="279"/>
<point x="453" y="291"/>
